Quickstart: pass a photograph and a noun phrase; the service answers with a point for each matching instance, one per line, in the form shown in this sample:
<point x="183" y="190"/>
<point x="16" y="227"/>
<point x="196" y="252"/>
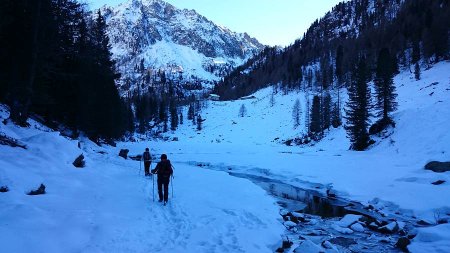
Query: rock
<point x="124" y="153"/>
<point x="287" y="244"/>
<point x="79" y="162"/>
<point x="423" y="223"/>
<point x="290" y="224"/>
<point x="4" y="189"/>
<point x="308" y="247"/>
<point x="316" y="233"/>
<point x="327" y="245"/>
<point x="342" y="230"/>
<point x="298" y="215"/>
<point x="357" y="227"/>
<point x="438" y="167"/>
<point x="39" y="191"/>
<point x="380" y="125"/>
<point x="403" y="243"/>
<point x="389" y="228"/>
<point x="439" y="182"/>
<point x="136" y="157"/>
<point x="373" y="226"/>
<point x="175" y="139"/>
<point x="343" y="241"/>
<point x="348" y="220"/>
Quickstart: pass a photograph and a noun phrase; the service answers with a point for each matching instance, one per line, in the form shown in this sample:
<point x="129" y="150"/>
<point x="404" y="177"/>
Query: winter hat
<point x="163" y="157"/>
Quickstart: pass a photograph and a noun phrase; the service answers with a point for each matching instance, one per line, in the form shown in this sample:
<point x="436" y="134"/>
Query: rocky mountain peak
<point x="154" y="35"/>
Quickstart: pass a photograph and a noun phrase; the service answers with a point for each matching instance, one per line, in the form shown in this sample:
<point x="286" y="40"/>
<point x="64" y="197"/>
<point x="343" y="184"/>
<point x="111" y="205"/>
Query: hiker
<point x="164" y="171"/>
<point x="147" y="161"/>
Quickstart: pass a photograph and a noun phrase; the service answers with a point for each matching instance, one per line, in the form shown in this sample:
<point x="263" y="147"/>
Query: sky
<point x="272" y="22"/>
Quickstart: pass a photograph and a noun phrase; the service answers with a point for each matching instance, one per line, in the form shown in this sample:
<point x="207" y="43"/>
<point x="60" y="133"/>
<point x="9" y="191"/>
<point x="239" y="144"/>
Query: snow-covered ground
<point x="108" y="207"/>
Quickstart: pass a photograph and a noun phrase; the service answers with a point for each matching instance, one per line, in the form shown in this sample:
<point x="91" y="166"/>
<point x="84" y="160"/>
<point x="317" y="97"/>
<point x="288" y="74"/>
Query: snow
<point x="108" y="207"/>
<point x="357" y="227"/>
<point x="348" y="220"/>
<point x="308" y="247"/>
<point x="432" y="240"/>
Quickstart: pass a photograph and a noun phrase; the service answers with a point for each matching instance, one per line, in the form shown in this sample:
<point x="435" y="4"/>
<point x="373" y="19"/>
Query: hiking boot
<point x="160" y="200"/>
<point x="165" y="202"/>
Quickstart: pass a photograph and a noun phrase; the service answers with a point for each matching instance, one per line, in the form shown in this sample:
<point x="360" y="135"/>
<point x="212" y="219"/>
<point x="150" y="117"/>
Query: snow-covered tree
<point x="296" y="113"/>
<point x="242" y="111"/>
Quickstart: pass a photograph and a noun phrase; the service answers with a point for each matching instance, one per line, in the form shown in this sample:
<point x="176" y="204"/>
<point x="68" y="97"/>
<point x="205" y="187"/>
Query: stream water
<point x="311" y="219"/>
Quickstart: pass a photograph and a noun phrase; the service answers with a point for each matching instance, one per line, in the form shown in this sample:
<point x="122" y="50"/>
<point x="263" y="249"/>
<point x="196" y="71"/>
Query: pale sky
<point x="272" y="22"/>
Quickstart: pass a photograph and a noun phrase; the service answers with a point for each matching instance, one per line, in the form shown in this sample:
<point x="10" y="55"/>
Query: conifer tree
<point x="384" y="85"/>
<point x="296" y="113"/>
<point x="326" y="111"/>
<point x="316" y="116"/>
<point x="242" y="111"/>
<point x="199" y="122"/>
<point x="173" y="115"/>
<point x="357" y="111"/>
<point x="417" y="71"/>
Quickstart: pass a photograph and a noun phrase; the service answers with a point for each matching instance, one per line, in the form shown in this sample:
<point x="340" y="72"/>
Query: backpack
<point x="166" y="169"/>
<point x="147" y="156"/>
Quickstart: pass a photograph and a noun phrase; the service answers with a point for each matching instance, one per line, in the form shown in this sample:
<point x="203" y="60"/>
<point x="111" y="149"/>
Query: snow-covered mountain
<point x="149" y="37"/>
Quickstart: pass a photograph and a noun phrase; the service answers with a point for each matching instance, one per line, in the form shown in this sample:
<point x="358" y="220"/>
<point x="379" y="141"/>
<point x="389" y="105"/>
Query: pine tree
<point x="307" y="115"/>
<point x="199" y="122"/>
<point x="326" y="111"/>
<point x="336" y="116"/>
<point x="272" y="99"/>
<point x="316" y="116"/>
<point x="173" y="115"/>
<point x="242" y="111"/>
<point x="417" y="71"/>
<point x="384" y="85"/>
<point x="296" y="113"/>
<point x="191" y="113"/>
<point x="357" y="111"/>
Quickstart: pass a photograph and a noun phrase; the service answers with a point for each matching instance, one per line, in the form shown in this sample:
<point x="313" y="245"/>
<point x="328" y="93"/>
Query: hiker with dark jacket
<point x="147" y="158"/>
<point x="164" y="171"/>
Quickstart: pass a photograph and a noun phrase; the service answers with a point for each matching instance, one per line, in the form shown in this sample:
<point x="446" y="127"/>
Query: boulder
<point x="342" y="230"/>
<point x="4" y="189"/>
<point x="124" y="153"/>
<point x="403" y="243"/>
<point x="136" y="157"/>
<point x="79" y="162"/>
<point x="357" y="227"/>
<point x="389" y="228"/>
<point x="348" y="220"/>
<point x="38" y="191"/>
<point x="439" y="182"/>
<point x="290" y="224"/>
<point x="438" y="167"/>
<point x="308" y="246"/>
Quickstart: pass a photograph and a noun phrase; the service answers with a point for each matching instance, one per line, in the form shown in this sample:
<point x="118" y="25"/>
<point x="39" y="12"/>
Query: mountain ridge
<point x="154" y="36"/>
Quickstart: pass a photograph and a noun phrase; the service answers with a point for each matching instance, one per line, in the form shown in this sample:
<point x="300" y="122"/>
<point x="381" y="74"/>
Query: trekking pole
<point x="172" y="186"/>
<point x="153" y="182"/>
<point x="140" y="167"/>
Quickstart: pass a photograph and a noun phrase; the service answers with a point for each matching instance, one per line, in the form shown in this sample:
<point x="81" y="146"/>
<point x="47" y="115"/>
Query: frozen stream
<point x="313" y="219"/>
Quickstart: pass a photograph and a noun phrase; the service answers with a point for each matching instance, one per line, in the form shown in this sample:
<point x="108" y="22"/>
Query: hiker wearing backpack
<point x="164" y="171"/>
<point x="147" y="161"/>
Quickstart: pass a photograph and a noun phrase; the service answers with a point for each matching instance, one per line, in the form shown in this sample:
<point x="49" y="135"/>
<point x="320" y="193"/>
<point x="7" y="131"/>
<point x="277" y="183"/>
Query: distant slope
<point x="422" y="119"/>
<point x="149" y="37"/>
<point x="412" y="30"/>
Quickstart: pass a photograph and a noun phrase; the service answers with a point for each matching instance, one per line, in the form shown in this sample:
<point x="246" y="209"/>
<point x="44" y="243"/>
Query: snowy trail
<point x="108" y="207"/>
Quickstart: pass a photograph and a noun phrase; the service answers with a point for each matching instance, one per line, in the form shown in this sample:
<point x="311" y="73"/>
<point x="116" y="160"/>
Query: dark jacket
<point x="146" y="156"/>
<point x="163" y="169"/>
